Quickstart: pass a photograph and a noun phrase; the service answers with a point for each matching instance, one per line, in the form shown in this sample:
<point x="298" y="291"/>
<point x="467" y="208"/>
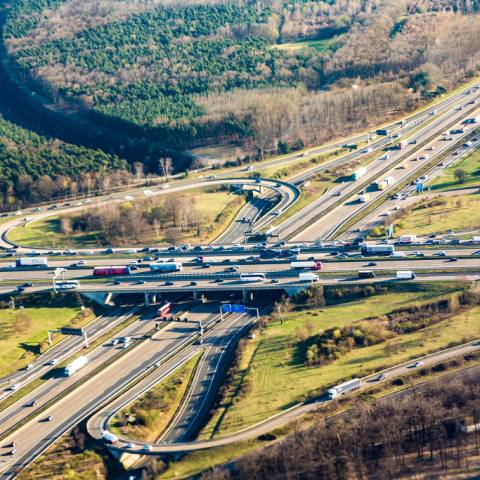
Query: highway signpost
<point x="56" y="273"/>
<point x="69" y="331"/>
<point x="229" y="308"/>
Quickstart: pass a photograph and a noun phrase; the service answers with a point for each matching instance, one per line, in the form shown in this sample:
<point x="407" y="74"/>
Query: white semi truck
<point x="311" y="265"/>
<point x="308" y="277"/>
<point x="344" y="388"/>
<point x="76" y="365"/>
<point x="31" y="262"/>
<point x="166" y="267"/>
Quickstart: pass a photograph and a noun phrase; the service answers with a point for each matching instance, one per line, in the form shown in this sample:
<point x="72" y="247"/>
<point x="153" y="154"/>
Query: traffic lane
<point x="65" y="348"/>
<point x="96" y="390"/>
<point x="327" y="224"/>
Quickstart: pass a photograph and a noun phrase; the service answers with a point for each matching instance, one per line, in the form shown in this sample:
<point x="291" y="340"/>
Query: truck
<point x="311" y="265"/>
<point x="76" y="365"/>
<point x="475" y="239"/>
<point x="408" y="238"/>
<point x="405" y="275"/>
<point x="363" y="198"/>
<point x="366" y="274"/>
<point x="308" y="277"/>
<point x="397" y="254"/>
<point x="402" y="144"/>
<point x="344" y="388"/>
<point x="109" y="437"/>
<point x="166" y="267"/>
<point x="389" y="180"/>
<point x="382" y="185"/>
<point x="378" y="249"/>
<point x="31" y="262"/>
<point x="113" y="270"/>
<point x="359" y="173"/>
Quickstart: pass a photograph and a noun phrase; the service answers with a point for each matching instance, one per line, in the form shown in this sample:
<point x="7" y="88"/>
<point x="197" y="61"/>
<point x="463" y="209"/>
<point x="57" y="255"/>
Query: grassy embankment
<point x="470" y="164"/>
<point x="448" y="214"/>
<point x="23" y="333"/>
<point x="220" y="206"/>
<point x="274" y="363"/>
<point x="147" y="417"/>
<point x="320" y="45"/>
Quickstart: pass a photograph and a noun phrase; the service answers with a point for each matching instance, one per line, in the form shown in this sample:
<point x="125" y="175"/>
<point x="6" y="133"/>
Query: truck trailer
<point x="344" y="388"/>
<point x="408" y="238"/>
<point x="311" y="265"/>
<point x="308" y="277"/>
<point x="31" y="262"/>
<point x="366" y="274"/>
<point x="378" y="249"/>
<point x="166" y="267"/>
<point x="114" y="270"/>
<point x="405" y="275"/>
<point x="382" y="185"/>
<point x="402" y="144"/>
<point x="76" y="365"/>
<point x="363" y="198"/>
<point x="109" y="437"/>
<point x="359" y="173"/>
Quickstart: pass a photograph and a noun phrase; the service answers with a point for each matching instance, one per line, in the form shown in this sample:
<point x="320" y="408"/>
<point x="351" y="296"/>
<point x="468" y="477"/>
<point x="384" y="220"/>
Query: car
<point x="78" y="204"/>
<point x="441" y="253"/>
<point x="169" y="249"/>
<point x="414" y="253"/>
<point x="50" y="418"/>
<point x="74" y="265"/>
<point x="81" y="262"/>
<point x="443" y="240"/>
<point x="456" y="153"/>
<point x="303" y="245"/>
<point x="249" y="169"/>
<point x="28" y="284"/>
<point x="131" y="445"/>
<point x="67" y="252"/>
<point x="419" y="242"/>
<point x="206" y="265"/>
<point x="424" y="157"/>
<point x="456" y="240"/>
<point x="193" y="283"/>
<point x="357" y="256"/>
<point x="219" y="280"/>
<point x="311" y="258"/>
<point x="117" y="282"/>
<point x="342" y="256"/>
<point x="274" y="280"/>
<point x="451" y="234"/>
<point x="15" y="387"/>
<point x="418" y="364"/>
<point x="4" y="215"/>
<point x="133" y="262"/>
<point x="250" y="258"/>
<point x="53" y="362"/>
<point x="87" y="201"/>
<point x="134" y="267"/>
<point x="432" y="148"/>
<point x="334" y="253"/>
<point x="237" y="245"/>
<point x="186" y="246"/>
<point x="131" y="251"/>
<point x="382" y="376"/>
<point x="140" y="282"/>
<point x="13" y="452"/>
<point x="339" y="193"/>
<point x="147" y="259"/>
<point x="20" y="289"/>
<point x="168" y="284"/>
<point x="372" y="264"/>
<point x="125" y="345"/>
<point x="66" y="205"/>
<point x="227" y="260"/>
<point x="89" y="252"/>
<point x="198" y="248"/>
<point x="432" y="236"/>
<point x="36" y="209"/>
<point x="421" y="255"/>
<point x="430" y="241"/>
<point x="147" y="448"/>
<point x="170" y="260"/>
<point x="453" y="259"/>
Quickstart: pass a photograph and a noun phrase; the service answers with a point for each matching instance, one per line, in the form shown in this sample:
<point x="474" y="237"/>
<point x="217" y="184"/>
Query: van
<point x="397" y="254"/>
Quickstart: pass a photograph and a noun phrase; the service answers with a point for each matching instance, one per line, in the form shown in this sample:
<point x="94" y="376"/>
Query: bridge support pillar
<point x="198" y="296"/>
<point x="108" y="298"/>
<point x="247" y="296"/>
<point x="147" y="299"/>
<point x="153" y="297"/>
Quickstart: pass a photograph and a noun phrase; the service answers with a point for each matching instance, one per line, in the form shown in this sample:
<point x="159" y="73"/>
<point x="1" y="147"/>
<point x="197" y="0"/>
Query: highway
<point x="66" y="348"/>
<point x="391" y="167"/>
<point x="97" y="422"/>
<point x="37" y="434"/>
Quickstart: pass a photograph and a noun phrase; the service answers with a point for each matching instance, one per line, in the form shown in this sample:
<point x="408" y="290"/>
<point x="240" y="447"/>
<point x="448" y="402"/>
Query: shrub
<point x="398" y="382"/>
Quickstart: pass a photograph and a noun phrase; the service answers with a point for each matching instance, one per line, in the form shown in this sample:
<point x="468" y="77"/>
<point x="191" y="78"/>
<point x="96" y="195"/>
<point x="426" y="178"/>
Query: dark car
<point x="140" y="282"/>
<point x="334" y="253"/>
<point x="206" y="265"/>
<point x="133" y="267"/>
<point x="52" y="208"/>
<point x="219" y="280"/>
<point x="146" y="249"/>
<point x="453" y="259"/>
<point x="7" y="255"/>
<point x="311" y="258"/>
<point x="193" y="283"/>
<point x="169" y="283"/>
<point x="227" y="260"/>
<point x="56" y="254"/>
<point x="117" y="282"/>
<point x="275" y="280"/>
<point x="28" y="284"/>
<point x="67" y="205"/>
<point x="421" y="255"/>
<point x="20" y="289"/>
<point x="33" y="403"/>
<point x="432" y="236"/>
<point x="4" y="215"/>
<point x="169" y="249"/>
<point x="456" y="241"/>
<point x="198" y="248"/>
<point x="155" y="250"/>
<point x="372" y="264"/>
<point x="74" y="265"/>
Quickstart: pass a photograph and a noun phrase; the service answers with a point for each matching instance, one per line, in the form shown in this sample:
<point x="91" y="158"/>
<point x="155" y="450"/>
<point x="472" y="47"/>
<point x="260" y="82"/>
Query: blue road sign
<point x="233" y="308"/>
<point x="419" y="186"/>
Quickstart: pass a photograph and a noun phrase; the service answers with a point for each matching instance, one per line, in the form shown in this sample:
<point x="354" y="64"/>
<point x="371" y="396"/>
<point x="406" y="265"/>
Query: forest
<point x="407" y="437"/>
<point x="198" y="73"/>
<point x="34" y="168"/>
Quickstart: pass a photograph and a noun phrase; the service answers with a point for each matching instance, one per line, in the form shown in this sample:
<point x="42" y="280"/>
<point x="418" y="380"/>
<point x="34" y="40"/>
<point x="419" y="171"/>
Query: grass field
<point x="459" y="213"/>
<point x="220" y="206"/>
<point x="471" y="164"/>
<point x="320" y="45"/>
<point x="20" y="341"/>
<point x="155" y="408"/>
<point x="277" y="357"/>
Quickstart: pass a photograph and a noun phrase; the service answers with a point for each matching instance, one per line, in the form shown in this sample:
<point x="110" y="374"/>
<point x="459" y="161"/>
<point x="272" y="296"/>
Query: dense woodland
<point x="193" y="73"/>
<point x="418" y="435"/>
<point x="34" y="168"/>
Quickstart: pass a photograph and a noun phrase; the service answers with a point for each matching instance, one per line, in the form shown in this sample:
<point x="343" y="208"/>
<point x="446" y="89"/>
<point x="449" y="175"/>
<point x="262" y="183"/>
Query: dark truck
<point x="366" y="274"/>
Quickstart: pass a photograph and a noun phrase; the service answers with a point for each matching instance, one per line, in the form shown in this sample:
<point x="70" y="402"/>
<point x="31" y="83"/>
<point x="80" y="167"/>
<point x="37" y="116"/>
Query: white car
<point x="237" y="245"/>
<point x="131" y="251"/>
<point x="66" y="252"/>
<point x="165" y="186"/>
<point x="211" y="260"/>
<point x="303" y="245"/>
<point x="387" y="213"/>
<point x="418" y="364"/>
<point x="147" y="448"/>
<point x="62" y="270"/>
<point x="87" y="201"/>
<point x="78" y="204"/>
<point x="81" y="262"/>
<point x="415" y="253"/>
<point x="66" y="287"/>
<point x="212" y="176"/>
<point x="133" y="262"/>
<point x="125" y="345"/>
<point x="18" y="213"/>
<point x="418" y="243"/>
<point x="53" y="362"/>
<point x="249" y="169"/>
<point x="14" y="387"/>
<point x="432" y="148"/>
<point x="187" y="245"/>
<point x="11" y="266"/>
<point x="386" y="157"/>
<point x="451" y="234"/>
<point x="89" y="252"/>
<point x="209" y="247"/>
<point x="131" y="445"/>
<point x="128" y="197"/>
<point x="424" y="157"/>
